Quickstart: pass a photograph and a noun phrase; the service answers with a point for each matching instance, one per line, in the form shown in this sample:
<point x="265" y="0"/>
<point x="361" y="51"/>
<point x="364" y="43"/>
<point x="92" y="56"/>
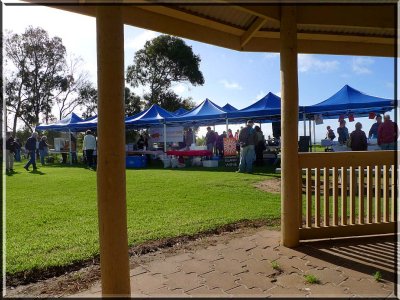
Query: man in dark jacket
<point x="210" y="139"/>
<point x="30" y="146"/>
<point x="373" y="132"/>
<point x="10" y="151"/>
<point x="387" y="134"/>
<point x="247" y="137"/>
<point x="358" y="139"/>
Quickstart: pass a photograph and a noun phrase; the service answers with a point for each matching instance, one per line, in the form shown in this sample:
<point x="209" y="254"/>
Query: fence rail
<point x="347" y="193"/>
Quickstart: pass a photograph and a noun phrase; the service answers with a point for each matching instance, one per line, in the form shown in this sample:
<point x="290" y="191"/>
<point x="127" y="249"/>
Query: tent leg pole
<point x="309" y="133"/>
<point x="227" y="126"/>
<point x="165" y="137"/>
<point x="315" y="149"/>
<point x="290" y="235"/>
<point x="111" y="180"/>
<point x="70" y="147"/>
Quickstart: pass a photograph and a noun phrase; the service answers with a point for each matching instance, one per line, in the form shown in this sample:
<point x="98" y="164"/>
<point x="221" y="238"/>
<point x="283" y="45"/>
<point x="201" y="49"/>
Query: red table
<point x="190" y="153"/>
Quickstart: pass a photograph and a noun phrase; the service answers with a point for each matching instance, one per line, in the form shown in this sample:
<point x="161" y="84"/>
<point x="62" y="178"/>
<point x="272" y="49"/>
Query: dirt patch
<point x="272" y="185"/>
<point x="67" y="280"/>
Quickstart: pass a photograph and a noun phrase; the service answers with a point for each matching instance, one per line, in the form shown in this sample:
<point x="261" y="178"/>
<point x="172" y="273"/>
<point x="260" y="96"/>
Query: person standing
<point x="89" y="145"/>
<point x="230" y="134"/>
<point x="43" y="149"/>
<point x="373" y="132"/>
<point x="188" y="138"/>
<point x="387" y="134"/>
<point x="247" y="137"/>
<point x="358" y="139"/>
<point x="74" y="156"/>
<point x="259" y="145"/>
<point x="30" y="146"/>
<point x="18" y="146"/>
<point x="210" y="139"/>
<point x="330" y="135"/>
<point x="10" y="151"/>
<point x="343" y="133"/>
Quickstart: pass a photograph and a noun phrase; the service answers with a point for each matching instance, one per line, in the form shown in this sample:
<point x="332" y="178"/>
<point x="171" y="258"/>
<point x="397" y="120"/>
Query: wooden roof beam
<point x="257" y="24"/>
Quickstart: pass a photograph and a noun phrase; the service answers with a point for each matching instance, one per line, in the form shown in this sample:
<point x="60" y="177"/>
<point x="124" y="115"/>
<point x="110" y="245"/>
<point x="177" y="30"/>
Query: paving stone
<point x="328" y="275"/>
<point x="196" y="266"/>
<point x="269" y="233"/>
<point x="217" y="280"/>
<point x="147" y="282"/>
<point x="163" y="267"/>
<point x="165" y="292"/>
<point x="354" y="274"/>
<point x="286" y="292"/>
<point x="259" y="266"/>
<point x="239" y="255"/>
<point x="183" y="281"/>
<point x="295" y="264"/>
<point x="290" y="252"/>
<point x="180" y="257"/>
<point x="365" y="288"/>
<point x="268" y="253"/>
<point x="264" y="242"/>
<point x="291" y="280"/>
<point x="207" y="254"/>
<point x="229" y="266"/>
<point x="204" y="291"/>
<point x="242" y="243"/>
<point x="137" y="271"/>
<point x="242" y="290"/>
<point x="319" y="263"/>
<point x="251" y="280"/>
<point x="326" y="290"/>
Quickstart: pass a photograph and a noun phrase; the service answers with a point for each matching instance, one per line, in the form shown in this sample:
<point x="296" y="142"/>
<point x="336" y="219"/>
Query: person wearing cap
<point x="89" y="145"/>
<point x="373" y="132"/>
<point x="247" y="137"/>
<point x="358" y="139"/>
<point x="387" y="134"/>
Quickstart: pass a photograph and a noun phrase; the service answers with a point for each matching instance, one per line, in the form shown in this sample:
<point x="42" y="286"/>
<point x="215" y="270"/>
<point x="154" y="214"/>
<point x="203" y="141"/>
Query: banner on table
<point x="174" y="134"/>
<point x="229" y="146"/>
<point x="231" y="161"/>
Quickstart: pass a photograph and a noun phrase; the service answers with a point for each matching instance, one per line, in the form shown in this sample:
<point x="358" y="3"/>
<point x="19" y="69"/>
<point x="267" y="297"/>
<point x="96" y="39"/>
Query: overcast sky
<point x="240" y="78"/>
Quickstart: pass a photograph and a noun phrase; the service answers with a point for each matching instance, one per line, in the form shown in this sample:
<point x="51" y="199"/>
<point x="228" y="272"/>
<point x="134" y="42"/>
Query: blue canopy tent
<point x="229" y="108"/>
<point x="67" y="124"/>
<point x="349" y="101"/>
<point x="180" y="111"/>
<point x="153" y="116"/>
<point x="89" y="123"/>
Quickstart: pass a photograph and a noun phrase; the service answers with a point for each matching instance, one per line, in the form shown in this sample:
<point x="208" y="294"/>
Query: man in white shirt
<point x="89" y="145"/>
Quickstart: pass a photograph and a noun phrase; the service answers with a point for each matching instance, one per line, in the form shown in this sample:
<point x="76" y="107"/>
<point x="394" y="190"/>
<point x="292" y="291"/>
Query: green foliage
<point x="377" y="276"/>
<point x="275" y="266"/>
<point x="311" y="279"/>
<point x="133" y="104"/>
<point x="163" y="61"/>
<point x="51" y="217"/>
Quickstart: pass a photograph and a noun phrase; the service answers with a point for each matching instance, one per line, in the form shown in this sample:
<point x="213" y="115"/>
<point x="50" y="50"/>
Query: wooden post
<point x="111" y="186"/>
<point x="290" y="116"/>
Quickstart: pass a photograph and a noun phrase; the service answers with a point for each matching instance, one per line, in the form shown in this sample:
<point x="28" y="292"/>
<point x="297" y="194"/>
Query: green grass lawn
<point x="51" y="215"/>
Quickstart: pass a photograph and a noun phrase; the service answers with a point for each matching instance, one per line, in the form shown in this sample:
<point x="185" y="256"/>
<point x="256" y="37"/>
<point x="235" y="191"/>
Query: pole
<point x="314" y="136"/>
<point x="111" y="181"/>
<point x="227" y="126"/>
<point x="304" y="123"/>
<point x="70" y="147"/>
<point x="309" y="133"/>
<point x="289" y="127"/>
<point x="165" y="137"/>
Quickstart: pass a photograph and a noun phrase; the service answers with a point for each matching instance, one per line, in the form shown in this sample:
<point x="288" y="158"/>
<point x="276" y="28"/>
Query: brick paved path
<point x="243" y="267"/>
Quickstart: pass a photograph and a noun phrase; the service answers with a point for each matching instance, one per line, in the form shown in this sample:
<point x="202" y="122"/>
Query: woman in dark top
<point x="358" y="139"/>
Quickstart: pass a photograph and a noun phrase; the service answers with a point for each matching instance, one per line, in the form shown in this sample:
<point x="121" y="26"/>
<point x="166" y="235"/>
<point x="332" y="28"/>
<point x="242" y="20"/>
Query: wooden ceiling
<point x="338" y="28"/>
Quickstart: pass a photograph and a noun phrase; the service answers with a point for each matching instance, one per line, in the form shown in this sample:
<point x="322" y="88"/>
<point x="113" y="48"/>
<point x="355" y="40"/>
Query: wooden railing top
<point x="347" y="159"/>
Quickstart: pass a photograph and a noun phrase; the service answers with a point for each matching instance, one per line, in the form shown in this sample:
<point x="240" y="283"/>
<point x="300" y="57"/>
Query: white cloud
<point x="138" y="41"/>
<point x="360" y="65"/>
<point x="180" y="89"/>
<point x="308" y="62"/>
<point x="231" y="85"/>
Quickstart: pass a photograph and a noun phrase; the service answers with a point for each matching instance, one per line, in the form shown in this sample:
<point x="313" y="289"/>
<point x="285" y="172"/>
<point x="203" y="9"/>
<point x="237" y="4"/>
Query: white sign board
<point x="174" y="134"/>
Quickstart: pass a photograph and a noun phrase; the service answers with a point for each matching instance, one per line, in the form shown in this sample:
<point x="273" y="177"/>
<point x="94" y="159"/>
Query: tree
<point x="37" y="62"/>
<point x="163" y="61"/>
<point x="133" y="104"/>
<point x="171" y="101"/>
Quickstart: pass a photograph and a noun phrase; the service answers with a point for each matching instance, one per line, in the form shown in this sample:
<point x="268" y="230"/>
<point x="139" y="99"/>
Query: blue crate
<point x="136" y="161"/>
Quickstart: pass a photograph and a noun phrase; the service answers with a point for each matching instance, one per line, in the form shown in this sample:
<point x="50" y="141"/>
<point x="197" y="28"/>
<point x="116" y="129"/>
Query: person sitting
<point x="343" y="133"/>
<point x="330" y="134"/>
<point x="358" y="139"/>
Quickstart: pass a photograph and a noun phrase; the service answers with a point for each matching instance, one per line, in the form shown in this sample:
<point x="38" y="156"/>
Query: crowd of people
<point x="386" y="134"/>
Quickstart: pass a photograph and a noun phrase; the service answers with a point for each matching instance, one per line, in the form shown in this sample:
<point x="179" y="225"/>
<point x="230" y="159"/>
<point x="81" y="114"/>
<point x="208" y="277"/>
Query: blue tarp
<point x="349" y="101"/>
<point x="63" y="125"/>
<point x="180" y="111"/>
<point x="205" y="112"/>
<point x="154" y="115"/>
<point x="229" y="108"/>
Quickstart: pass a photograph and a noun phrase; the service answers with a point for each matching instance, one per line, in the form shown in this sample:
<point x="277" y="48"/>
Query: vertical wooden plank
<point x="361" y="212"/>
<point x="317" y="196"/>
<point x="386" y="181"/>
<point x="378" y="214"/>
<point x="344" y="196"/>
<point x="301" y="198"/>
<point x="335" y="194"/>
<point x="308" y="197"/>
<point x="393" y="193"/>
<point x="353" y="187"/>
<point x="369" y="194"/>
<point x="326" y="196"/>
